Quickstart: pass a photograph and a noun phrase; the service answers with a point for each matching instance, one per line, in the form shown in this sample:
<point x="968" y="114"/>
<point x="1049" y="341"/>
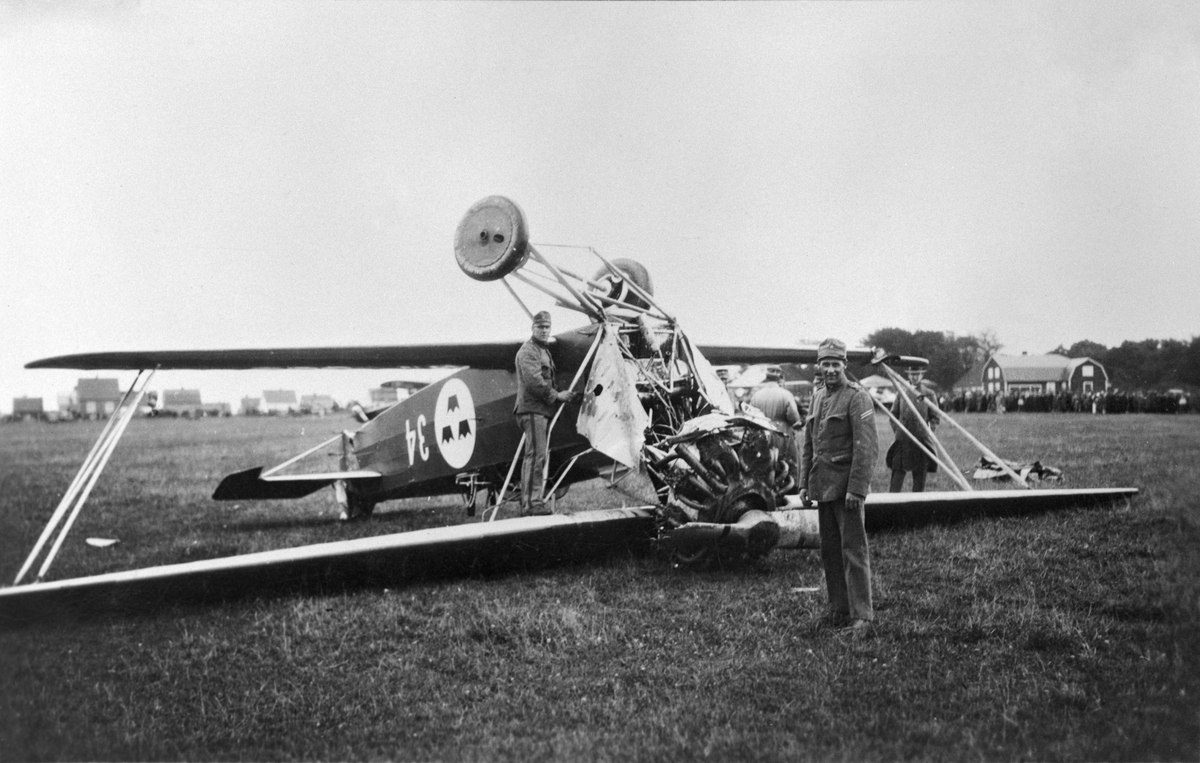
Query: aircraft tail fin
<point x="250" y="485"/>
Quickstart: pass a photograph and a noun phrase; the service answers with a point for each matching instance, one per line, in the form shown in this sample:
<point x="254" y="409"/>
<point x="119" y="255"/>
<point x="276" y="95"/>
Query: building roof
<point x="1019" y="369"/>
<point x="27" y="405"/>
<point x="279" y="396"/>
<point x="323" y="401"/>
<point x="181" y="397"/>
<point x="972" y="378"/>
<point x="98" y="389"/>
<point x="1033" y="368"/>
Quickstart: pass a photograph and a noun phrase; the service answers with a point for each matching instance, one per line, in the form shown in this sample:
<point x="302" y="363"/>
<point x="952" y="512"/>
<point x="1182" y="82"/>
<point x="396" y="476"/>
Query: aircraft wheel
<point x="492" y="239"/>
<point x="635" y="272"/>
<point x="356" y="508"/>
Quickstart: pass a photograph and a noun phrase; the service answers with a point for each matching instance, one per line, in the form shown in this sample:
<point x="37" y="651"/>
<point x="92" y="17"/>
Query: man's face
<point x="914" y="377"/>
<point x="833" y="371"/>
<point x="541" y="331"/>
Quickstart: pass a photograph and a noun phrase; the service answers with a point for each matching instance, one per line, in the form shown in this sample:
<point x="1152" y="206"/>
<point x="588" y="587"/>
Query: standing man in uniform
<point x="779" y="405"/>
<point x="536" y="401"/>
<point x="840" y="448"/>
<point x="905" y="455"/>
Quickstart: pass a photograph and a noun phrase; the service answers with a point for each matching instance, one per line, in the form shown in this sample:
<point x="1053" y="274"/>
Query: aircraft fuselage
<point x="465" y="423"/>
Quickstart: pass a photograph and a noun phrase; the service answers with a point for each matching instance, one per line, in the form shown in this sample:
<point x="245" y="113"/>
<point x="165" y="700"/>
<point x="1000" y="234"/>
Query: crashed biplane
<point x="650" y="401"/>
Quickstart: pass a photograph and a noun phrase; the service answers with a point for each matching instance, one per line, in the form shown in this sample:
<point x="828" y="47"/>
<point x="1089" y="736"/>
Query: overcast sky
<point x="206" y="175"/>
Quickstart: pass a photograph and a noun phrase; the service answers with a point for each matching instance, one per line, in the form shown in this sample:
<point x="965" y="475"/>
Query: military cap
<point x="774" y="373"/>
<point x="831" y="348"/>
<point x="542" y="317"/>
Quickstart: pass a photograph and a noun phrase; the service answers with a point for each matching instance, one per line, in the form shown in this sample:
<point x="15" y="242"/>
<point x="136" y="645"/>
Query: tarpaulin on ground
<point x="611" y="417"/>
<point x="987" y="469"/>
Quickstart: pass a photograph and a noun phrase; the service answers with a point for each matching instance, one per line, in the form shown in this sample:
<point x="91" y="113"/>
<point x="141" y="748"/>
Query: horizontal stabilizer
<point x="250" y="485"/>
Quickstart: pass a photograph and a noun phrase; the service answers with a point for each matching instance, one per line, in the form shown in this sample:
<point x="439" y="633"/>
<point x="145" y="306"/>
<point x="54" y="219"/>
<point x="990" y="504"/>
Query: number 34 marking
<point x="416" y="440"/>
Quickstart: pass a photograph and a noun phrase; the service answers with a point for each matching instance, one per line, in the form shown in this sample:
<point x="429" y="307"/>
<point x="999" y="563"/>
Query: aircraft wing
<point x="733" y="355"/>
<point x="482" y="355"/>
<point x="506" y="544"/>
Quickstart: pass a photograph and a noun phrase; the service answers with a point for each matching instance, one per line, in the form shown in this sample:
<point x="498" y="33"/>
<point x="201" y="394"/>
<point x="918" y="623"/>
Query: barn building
<point x="95" y="398"/>
<point x="181" y="402"/>
<point x="316" y="405"/>
<point x="279" y="401"/>
<point x="1035" y="374"/>
<point x="381" y="397"/>
<point x="25" y="408"/>
<point x="186" y="403"/>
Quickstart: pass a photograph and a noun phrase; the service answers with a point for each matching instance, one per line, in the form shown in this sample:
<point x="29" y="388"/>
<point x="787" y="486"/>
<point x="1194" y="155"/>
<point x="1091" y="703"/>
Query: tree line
<point x="1151" y="364"/>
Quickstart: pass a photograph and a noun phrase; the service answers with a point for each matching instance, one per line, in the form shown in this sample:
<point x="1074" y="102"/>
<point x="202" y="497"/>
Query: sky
<point x="205" y="175"/>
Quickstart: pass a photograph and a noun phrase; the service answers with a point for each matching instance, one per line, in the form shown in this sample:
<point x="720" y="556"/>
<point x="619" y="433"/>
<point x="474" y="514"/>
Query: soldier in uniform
<point x="779" y="405"/>
<point x="839" y="453"/>
<point x="536" y="399"/>
<point x="905" y="455"/>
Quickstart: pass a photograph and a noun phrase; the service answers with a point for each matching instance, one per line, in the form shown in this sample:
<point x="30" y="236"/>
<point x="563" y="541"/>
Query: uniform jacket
<point x="777" y="404"/>
<point x="840" y="444"/>
<point x="535" y="379"/>
<point x="908" y="457"/>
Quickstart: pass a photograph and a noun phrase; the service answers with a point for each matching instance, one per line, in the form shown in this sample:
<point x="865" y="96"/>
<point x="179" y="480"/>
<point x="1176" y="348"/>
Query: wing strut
<point x="897" y="379"/>
<point x="950" y="469"/>
<point x="93" y="465"/>
<point x="507" y="480"/>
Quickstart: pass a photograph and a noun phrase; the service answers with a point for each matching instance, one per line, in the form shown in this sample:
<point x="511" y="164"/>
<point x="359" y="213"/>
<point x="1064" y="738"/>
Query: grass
<point x="1064" y="636"/>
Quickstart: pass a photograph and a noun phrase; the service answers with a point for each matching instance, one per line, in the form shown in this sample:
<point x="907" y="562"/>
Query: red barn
<point x="1039" y="374"/>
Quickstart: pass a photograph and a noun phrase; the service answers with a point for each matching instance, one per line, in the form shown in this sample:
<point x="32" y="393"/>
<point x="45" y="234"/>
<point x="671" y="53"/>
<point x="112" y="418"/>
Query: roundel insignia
<point x="454" y="423"/>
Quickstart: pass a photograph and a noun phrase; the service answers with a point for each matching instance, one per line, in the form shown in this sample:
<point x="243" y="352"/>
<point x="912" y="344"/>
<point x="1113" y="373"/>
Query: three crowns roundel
<point x="454" y="423"/>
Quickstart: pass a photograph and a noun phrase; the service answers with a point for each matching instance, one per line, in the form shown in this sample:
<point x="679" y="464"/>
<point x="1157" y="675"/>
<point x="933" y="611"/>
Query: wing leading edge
<point x="520" y="543"/>
<point x="483" y="355"/>
<point x="728" y="355"/>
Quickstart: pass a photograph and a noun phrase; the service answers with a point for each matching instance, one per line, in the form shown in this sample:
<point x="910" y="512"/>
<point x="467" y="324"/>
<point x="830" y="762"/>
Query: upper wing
<point x="737" y="355"/>
<point x="730" y="355"/>
<point x="483" y="355"/>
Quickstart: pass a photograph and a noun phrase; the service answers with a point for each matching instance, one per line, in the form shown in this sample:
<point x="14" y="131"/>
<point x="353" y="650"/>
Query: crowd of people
<point x="1112" y="401"/>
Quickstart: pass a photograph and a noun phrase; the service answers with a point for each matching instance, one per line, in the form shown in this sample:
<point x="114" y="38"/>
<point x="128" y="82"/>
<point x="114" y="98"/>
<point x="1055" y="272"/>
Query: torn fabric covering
<point x="987" y="469"/>
<point x="611" y="417"/>
<point x="711" y="385"/>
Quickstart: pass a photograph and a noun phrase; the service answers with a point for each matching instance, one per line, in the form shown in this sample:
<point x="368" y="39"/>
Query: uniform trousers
<point x="846" y="559"/>
<point x="918" y="480"/>
<point x="533" y="468"/>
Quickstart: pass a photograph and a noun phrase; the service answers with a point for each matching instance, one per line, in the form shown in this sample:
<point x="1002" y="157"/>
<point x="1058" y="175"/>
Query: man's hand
<point x="854" y="501"/>
<point x="804" y="498"/>
<point x="566" y="396"/>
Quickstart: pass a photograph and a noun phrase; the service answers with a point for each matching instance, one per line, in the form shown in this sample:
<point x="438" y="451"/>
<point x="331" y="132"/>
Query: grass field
<point x="1065" y="636"/>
